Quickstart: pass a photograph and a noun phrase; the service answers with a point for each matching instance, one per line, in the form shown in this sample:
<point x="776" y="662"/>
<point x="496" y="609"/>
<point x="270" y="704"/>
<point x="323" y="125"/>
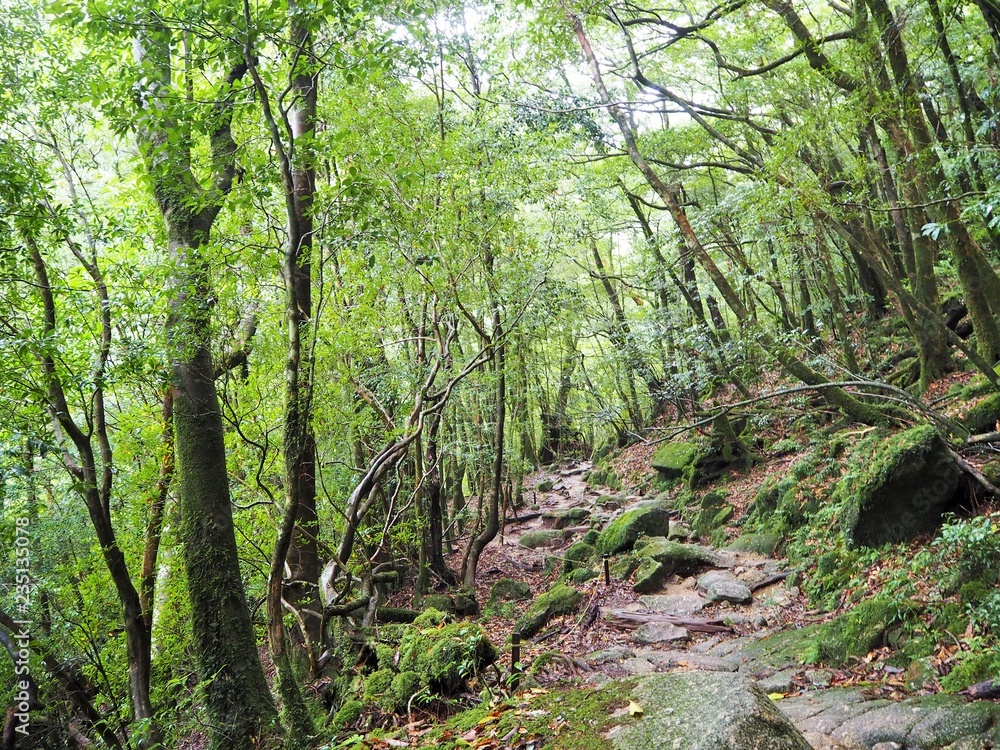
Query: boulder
<point x="658" y="632"/>
<point x="706" y="711"/>
<point x="622" y="533"/>
<point x="897" y="487"/>
<point x="541" y="538"/>
<point x="566" y="518"/>
<point x="720" y="586"/>
<point x="672" y="459"/>
<point x="559" y="600"/>
<point x="659" y="559"/>
<point x="507" y="589"/>
<point x="673" y="604"/>
<point x="578" y="555"/>
<point x="983" y="415"/>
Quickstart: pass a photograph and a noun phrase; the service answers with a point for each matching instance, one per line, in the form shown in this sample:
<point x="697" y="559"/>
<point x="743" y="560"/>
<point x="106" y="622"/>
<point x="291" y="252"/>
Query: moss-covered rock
<point x="897" y="486"/>
<point x="621" y="534"/>
<point x="440" y="602"/>
<point x="706" y="711"/>
<point x="673" y="459"/>
<point x="404" y="686"/>
<point x="569" y="517"/>
<point x="561" y="599"/>
<point x="983" y="415"/>
<point x="659" y="559"/>
<point x="541" y="538"/>
<point x="377" y="684"/>
<point x="581" y="575"/>
<point x="578" y="555"/>
<point x="446" y="656"/>
<point x="431" y="618"/>
<point x="348" y="714"/>
<point x="761" y="543"/>
<point x="546" y="486"/>
<point x="856" y="632"/>
<point x="509" y="589"/>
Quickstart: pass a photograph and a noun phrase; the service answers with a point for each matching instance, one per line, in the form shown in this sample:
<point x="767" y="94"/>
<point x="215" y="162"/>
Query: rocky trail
<point x="697" y="619"/>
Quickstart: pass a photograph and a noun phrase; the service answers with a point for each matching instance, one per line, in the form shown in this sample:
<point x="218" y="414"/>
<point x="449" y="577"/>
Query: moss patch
<point x="541" y="538"/>
<point x="622" y="533"/>
<point x="673" y="459"/>
<point x="897" y="487"/>
<point x="561" y="599"/>
<point x="983" y="415"/>
<point x="584" y="716"/>
<point x="507" y="589"/>
<point x="578" y="555"/>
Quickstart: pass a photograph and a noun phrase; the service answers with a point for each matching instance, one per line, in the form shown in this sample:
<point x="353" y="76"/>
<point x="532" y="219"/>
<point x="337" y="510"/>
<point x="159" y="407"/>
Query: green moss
<point x="622" y="533"/>
<point x="561" y="599"/>
<point x="591" y="537"/>
<point x="404" y="686"/>
<point x="541" y="538"/>
<point x="348" y="714"/>
<point x="545" y="486"/>
<point x="974" y="667"/>
<point x="624" y="566"/>
<point x="430" y="618"/>
<point x="509" y="589"/>
<point x="762" y="543"/>
<point x="440" y="602"/>
<point x="897" y="486"/>
<point x="672" y="459"/>
<point x="578" y="555"/>
<point x="983" y="415"/>
<point x="586" y="715"/>
<point x="378" y="684"/>
<point x="445" y="656"/>
<point x="856" y="632"/>
<point x="581" y="575"/>
<point x="385" y="655"/>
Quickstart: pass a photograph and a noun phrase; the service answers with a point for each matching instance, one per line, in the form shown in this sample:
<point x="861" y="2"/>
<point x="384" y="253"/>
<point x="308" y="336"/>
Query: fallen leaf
<point x="634" y="709"/>
<point x="776" y="696"/>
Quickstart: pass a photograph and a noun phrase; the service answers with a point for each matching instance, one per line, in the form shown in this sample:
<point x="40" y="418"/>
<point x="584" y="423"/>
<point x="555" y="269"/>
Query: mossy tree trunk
<point x="239" y="708"/>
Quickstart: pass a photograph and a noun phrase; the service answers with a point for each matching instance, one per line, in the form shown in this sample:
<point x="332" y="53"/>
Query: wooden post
<point x="607" y="571"/>
<point x="515" y="660"/>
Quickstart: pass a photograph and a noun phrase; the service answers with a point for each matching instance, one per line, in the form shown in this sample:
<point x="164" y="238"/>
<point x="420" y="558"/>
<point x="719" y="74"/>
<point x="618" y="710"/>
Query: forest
<point x="389" y="373"/>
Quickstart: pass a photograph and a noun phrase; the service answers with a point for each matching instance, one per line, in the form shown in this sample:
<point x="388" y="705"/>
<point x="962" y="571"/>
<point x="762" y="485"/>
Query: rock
<point x="688" y="660"/>
<point x="724" y="587"/>
<point x="897" y="487"/>
<point x="887" y="746"/>
<point x="566" y="518"/>
<point x="441" y="602"/>
<point x="779" y="682"/>
<point x="597" y="679"/>
<point x="706" y="711"/>
<point x="819" y="677"/>
<point x="622" y="533"/>
<point x="761" y="543"/>
<point x="546" y="486"/>
<point x="673" y="604"/>
<point x="506" y="589"/>
<point x="672" y="459"/>
<point x="447" y="655"/>
<point x="983" y="415"/>
<point x="578" y="555"/>
<point x="559" y="600"/>
<point x="541" y="538"/>
<point x="636" y="666"/>
<point x="658" y="632"/>
<point x="921" y="674"/>
<point x="581" y="575"/>
<point x="610" y="656"/>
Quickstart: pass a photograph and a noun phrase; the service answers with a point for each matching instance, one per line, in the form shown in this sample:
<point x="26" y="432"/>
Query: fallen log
<point x="624" y="618"/>
<point x="975" y="475"/>
<point x="983" y="690"/>
<point x="986" y="437"/>
<point x="768" y="581"/>
<point x="522" y="518"/>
